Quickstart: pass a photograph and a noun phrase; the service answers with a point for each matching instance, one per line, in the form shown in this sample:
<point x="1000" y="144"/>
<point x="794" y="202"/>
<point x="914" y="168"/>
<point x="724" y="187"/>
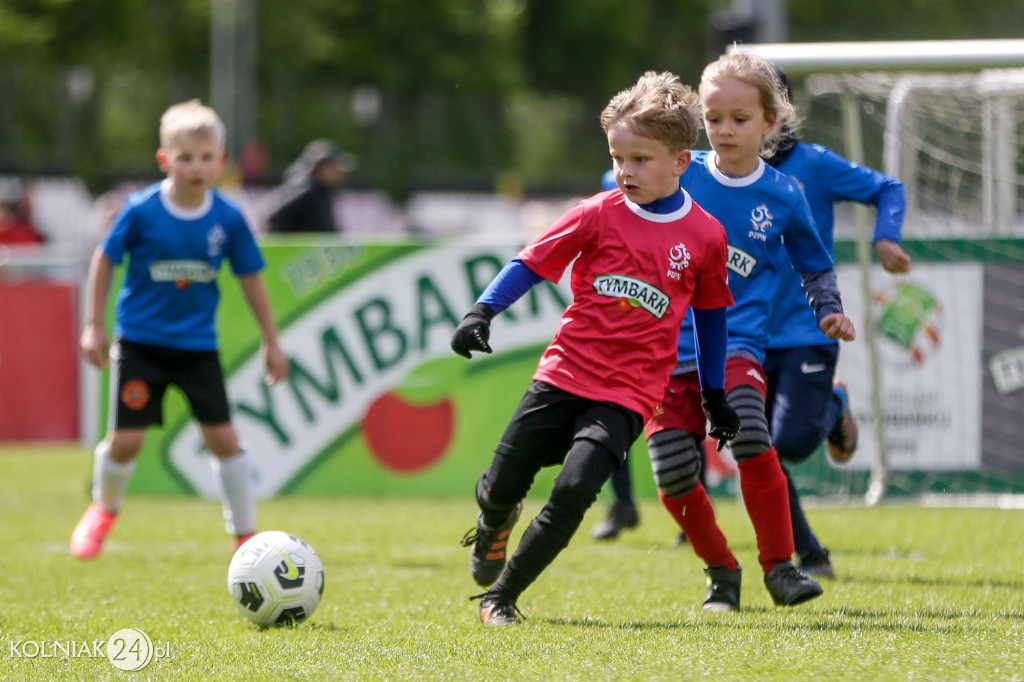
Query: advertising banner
<point x="377" y="402"/>
<point x="929" y="326"/>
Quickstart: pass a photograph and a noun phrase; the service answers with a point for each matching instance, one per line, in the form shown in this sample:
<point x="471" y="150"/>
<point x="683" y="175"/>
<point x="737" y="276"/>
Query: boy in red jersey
<point x="644" y="253"/>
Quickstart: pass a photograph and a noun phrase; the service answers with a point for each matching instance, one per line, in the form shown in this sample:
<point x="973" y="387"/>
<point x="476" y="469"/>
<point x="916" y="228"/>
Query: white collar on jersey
<point x="731" y="180"/>
<point x="663" y="217"/>
<point x="183" y="213"/>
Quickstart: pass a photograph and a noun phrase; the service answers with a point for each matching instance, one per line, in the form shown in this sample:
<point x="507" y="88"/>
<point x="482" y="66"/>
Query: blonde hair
<point x="190" y="118"/>
<point x="761" y="74"/>
<point x="659" y="107"/>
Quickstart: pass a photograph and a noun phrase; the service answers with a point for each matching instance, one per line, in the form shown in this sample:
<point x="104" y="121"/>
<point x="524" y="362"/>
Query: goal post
<point x="940" y="351"/>
<point x="902" y="55"/>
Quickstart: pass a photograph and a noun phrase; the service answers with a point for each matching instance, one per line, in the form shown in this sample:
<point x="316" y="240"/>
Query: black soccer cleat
<point x="790" y="587"/>
<point x="496" y="610"/>
<point x="817" y="565"/>
<point x="621" y="516"/>
<point x="487" y="547"/>
<point x="723" y="589"/>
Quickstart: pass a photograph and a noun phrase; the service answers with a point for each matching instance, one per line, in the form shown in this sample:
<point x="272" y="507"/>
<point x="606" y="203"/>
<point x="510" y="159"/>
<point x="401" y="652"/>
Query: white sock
<point x="236" y="493"/>
<point x="109" y="478"/>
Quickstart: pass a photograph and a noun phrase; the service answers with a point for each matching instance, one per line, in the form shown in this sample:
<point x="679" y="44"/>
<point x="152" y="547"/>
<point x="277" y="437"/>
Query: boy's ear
<point x="161" y="159"/>
<point x="682" y="161"/>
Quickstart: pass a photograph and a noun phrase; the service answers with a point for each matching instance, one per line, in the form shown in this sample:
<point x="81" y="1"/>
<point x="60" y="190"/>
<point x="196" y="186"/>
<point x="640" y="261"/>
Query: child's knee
<point x="796" y="445"/>
<point x="221" y="441"/>
<point x="125" y="445"/>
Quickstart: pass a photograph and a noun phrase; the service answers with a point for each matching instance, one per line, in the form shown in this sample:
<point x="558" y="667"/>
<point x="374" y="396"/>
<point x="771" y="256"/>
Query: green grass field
<point x="921" y="594"/>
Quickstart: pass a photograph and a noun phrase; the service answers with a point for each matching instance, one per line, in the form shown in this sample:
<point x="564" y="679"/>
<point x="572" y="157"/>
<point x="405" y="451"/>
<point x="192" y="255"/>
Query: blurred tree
<point x="437" y="93"/>
<point x="594" y="49"/>
<point x="439" y="71"/>
<point x="815" y="21"/>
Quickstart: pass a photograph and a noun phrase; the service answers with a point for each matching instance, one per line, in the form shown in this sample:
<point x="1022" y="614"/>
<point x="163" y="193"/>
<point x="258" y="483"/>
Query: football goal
<point x="937" y="373"/>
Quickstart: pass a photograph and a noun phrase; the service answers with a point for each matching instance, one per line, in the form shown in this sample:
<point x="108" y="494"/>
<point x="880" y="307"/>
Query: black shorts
<point x="139" y="377"/>
<point x="548" y="421"/>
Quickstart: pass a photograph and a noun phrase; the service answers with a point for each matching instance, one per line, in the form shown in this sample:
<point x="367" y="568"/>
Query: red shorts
<point x="680" y="407"/>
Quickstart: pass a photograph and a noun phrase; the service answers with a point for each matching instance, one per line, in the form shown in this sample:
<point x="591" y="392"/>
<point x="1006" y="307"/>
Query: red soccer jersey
<point x="636" y="275"/>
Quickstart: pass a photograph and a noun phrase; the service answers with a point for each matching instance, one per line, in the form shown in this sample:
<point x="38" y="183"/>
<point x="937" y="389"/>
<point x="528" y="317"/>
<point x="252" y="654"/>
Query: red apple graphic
<point x="410" y="428"/>
<point x="407" y="437"/>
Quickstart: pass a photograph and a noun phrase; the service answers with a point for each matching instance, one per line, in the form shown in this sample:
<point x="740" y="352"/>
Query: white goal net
<point x="937" y="382"/>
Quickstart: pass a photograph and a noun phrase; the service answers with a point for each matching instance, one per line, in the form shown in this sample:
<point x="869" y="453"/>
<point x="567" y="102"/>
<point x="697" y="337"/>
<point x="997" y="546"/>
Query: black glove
<point x="725" y="423"/>
<point x="474" y="330"/>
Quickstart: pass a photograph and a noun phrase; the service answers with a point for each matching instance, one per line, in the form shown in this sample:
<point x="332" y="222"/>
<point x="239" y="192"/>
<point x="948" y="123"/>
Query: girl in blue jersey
<point x="805" y="403"/>
<point x="176" y="234"/>
<point x="766" y="218"/>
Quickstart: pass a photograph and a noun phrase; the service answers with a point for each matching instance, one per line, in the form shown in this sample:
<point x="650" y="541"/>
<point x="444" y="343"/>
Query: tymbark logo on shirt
<point x="638" y="293"/>
<point x="182" y="272"/>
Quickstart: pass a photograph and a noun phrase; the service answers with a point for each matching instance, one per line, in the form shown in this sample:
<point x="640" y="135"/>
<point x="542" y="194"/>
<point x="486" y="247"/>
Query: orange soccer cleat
<point x="842" y="440"/>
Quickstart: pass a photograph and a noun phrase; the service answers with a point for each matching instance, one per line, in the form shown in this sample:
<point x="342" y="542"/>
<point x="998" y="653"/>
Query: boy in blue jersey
<point x="805" y="403"/>
<point x="176" y="234"/>
<point x="766" y="218"/>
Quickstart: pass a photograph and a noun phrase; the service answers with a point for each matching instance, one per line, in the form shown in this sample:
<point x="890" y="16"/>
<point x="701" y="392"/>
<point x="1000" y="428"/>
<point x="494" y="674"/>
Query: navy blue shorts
<point x="139" y="377"/>
<point x="799" y="395"/>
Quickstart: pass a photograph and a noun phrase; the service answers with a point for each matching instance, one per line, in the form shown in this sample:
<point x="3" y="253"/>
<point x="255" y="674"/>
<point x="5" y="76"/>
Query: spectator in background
<point x="305" y="201"/>
<point x="15" y="222"/>
<point x="105" y="210"/>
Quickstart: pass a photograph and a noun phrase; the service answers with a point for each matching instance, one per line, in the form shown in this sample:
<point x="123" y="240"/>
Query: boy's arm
<point x="891" y="202"/>
<point x="849" y="181"/>
<point x="274" y="359"/>
<point x="892" y="256"/>
<point x="711" y="339"/>
<point x="94" y="343"/>
<point x="822" y="291"/>
<point x="508" y="286"/>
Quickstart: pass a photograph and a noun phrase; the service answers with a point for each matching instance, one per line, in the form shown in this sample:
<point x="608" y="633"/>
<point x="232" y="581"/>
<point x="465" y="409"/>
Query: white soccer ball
<point x="276" y="579"/>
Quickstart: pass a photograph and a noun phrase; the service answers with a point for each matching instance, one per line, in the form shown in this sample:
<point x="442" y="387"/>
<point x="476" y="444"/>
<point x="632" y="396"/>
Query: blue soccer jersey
<point x="169" y="295"/>
<point x="827" y="178"/>
<point x="766" y="218"/>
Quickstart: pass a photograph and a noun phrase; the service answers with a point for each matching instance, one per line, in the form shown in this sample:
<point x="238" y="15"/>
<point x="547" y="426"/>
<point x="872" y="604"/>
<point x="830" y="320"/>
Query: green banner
<point x="377" y="403"/>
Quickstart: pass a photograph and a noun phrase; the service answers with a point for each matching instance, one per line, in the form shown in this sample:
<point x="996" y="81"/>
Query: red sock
<point x="764" y="492"/>
<point x="695" y="515"/>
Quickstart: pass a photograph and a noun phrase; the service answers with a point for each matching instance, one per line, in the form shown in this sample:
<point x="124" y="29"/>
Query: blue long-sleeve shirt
<point x="827" y="178"/>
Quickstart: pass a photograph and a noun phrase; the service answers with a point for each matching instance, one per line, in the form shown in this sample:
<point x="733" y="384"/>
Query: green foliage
<point x="451" y="77"/>
<point x="812" y="21"/>
<point x="926" y="594"/>
<point x="594" y="49"/>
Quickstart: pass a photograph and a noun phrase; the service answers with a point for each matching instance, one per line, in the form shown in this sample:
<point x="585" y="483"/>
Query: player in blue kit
<point x="805" y="403"/>
<point x="176" y="234"/>
<point x="767" y="219"/>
